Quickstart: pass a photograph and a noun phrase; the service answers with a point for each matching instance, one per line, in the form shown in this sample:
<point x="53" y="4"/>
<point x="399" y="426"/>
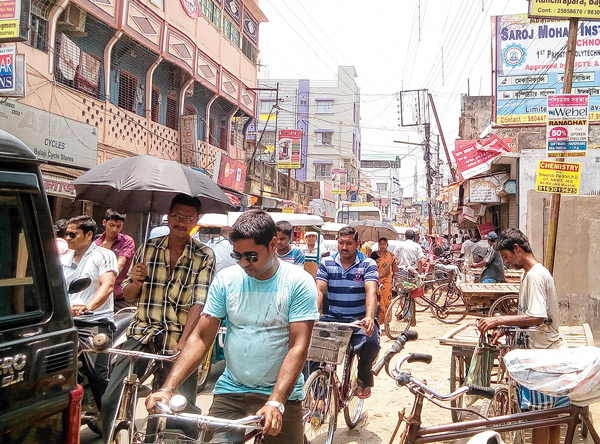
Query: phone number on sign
<point x="550" y="189"/>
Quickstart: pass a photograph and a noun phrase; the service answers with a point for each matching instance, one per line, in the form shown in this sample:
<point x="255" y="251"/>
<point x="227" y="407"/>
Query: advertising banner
<point x="583" y="9"/>
<point x="7" y="69"/>
<point x="288" y="149"/>
<point x="558" y="177"/>
<point x="232" y="173"/>
<point x="14" y="20"/>
<point x="486" y="189"/>
<point x="338" y="180"/>
<point x="474" y="157"/>
<point x="567" y="125"/>
<point x="529" y="65"/>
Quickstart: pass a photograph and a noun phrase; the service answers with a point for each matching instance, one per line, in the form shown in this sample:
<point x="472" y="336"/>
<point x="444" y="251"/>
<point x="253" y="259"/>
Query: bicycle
<point x="123" y="423"/>
<point x="327" y="393"/>
<point x="447" y="305"/>
<point x="413" y="431"/>
<point x="251" y="425"/>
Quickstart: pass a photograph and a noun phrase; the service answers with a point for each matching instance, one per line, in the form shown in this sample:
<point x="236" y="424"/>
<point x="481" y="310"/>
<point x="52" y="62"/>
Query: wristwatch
<point x="278" y="405"/>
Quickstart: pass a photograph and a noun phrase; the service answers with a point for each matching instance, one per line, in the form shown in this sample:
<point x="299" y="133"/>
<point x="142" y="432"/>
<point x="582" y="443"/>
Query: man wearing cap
<point x="312" y="247"/>
<point x="493" y="270"/>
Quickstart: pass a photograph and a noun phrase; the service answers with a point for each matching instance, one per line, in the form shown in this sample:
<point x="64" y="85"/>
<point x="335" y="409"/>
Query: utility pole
<point x="427" y="158"/>
<point x="555" y="199"/>
<point x="437" y="120"/>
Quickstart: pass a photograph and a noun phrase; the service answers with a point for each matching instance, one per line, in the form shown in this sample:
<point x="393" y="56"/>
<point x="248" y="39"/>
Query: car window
<point x="18" y="296"/>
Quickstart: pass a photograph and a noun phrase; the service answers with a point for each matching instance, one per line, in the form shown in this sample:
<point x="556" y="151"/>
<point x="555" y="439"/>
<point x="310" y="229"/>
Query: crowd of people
<point x="183" y="288"/>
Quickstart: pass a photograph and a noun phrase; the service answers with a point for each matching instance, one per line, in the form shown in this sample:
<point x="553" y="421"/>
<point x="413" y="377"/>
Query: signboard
<point x="474" y="157"/>
<point x="469" y="213"/>
<point x="230" y="173"/>
<point x="7" y="69"/>
<point x="14" y="20"/>
<point x="189" y="135"/>
<point x="529" y="65"/>
<point x="558" y="177"/>
<point x="583" y="9"/>
<point x="288" y="149"/>
<point x="288" y="210"/>
<point x="567" y="125"/>
<point x="339" y="178"/>
<point x="486" y="228"/>
<point x="486" y="189"/>
<point x="58" y="186"/>
<point x="20" y="89"/>
<point x="51" y="137"/>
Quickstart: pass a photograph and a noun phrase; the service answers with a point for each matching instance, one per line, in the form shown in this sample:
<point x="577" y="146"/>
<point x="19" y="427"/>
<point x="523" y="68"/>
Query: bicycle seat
<point x="122" y="321"/>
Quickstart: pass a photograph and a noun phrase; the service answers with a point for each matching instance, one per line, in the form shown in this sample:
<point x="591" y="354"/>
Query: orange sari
<point x="387" y="265"/>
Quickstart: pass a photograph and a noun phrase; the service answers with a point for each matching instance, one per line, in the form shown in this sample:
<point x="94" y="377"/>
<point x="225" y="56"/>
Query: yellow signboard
<point x="289" y="210"/>
<point x="558" y="177"/>
<point x="583" y="9"/>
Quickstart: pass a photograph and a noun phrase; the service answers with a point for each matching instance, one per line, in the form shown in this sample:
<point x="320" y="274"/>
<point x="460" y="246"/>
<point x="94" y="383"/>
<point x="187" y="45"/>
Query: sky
<point x="394" y="45"/>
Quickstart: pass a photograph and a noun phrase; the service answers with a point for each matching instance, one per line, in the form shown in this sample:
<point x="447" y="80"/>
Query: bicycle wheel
<point x="319" y="408"/>
<point x="398" y="316"/>
<point x="353" y="404"/>
<point x="204" y="370"/>
<point x="421" y="305"/>
<point x="505" y="305"/>
<point x="450" y="306"/>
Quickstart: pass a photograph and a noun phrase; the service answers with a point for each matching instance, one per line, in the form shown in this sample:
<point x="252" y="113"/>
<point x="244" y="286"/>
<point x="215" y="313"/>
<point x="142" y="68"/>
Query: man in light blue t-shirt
<point x="286" y="251"/>
<point x="270" y="307"/>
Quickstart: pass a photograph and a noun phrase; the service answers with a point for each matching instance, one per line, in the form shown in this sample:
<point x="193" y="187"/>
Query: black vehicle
<point x="40" y="398"/>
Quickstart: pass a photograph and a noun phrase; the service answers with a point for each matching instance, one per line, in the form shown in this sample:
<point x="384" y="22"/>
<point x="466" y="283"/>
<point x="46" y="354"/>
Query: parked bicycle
<point x="446" y="302"/>
<point x="327" y="392"/>
<point x="250" y="425"/>
<point x="413" y="431"/>
<point x="123" y="424"/>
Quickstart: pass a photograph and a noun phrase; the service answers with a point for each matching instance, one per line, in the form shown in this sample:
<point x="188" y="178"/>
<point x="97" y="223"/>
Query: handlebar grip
<point x="486" y="392"/>
<point x="420" y="357"/>
<point x="411" y="335"/>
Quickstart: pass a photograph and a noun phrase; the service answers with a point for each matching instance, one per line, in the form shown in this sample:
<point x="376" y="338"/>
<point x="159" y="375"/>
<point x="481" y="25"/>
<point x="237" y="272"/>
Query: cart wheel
<point x="505" y="305"/>
<point x="458" y="376"/>
<point x="450" y="306"/>
<point x="504" y="403"/>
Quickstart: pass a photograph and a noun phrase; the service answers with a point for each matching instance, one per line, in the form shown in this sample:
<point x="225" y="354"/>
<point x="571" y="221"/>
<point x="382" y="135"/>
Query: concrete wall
<point x="577" y="261"/>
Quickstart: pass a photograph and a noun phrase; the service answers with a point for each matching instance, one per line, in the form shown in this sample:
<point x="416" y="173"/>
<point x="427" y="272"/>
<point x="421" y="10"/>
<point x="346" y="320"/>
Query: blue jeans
<point x="488" y="281"/>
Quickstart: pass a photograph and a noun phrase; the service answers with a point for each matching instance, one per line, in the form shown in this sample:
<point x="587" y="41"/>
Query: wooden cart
<point x="480" y="298"/>
<point x="465" y="337"/>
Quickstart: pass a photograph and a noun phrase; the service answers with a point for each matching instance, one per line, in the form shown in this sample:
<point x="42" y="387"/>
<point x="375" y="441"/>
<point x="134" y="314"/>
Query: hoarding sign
<point x="7" y="69"/>
<point x="474" y="157"/>
<point x="558" y="177"/>
<point x="567" y="125"/>
<point x="51" y="137"/>
<point x="486" y="189"/>
<point x="529" y="65"/>
<point x="556" y="9"/>
<point x="338" y="180"/>
<point x="231" y="173"/>
<point x="14" y="20"/>
<point x="288" y="149"/>
<point x="469" y="214"/>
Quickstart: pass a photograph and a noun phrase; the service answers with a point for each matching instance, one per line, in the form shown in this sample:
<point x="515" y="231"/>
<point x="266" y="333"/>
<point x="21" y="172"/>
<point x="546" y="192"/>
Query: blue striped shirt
<point x="346" y="288"/>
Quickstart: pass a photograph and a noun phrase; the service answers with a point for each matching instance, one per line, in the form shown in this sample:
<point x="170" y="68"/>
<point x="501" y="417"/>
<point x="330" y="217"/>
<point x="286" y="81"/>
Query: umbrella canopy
<point x="373" y="230"/>
<point x="146" y="184"/>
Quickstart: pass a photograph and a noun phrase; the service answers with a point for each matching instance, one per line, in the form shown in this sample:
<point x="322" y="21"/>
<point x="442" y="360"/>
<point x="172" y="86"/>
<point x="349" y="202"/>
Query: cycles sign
<point x="567" y="125"/>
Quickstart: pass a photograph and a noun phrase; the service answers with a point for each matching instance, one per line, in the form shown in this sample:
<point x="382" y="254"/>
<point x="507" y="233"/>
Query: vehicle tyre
<point x="319" y="408"/>
<point x="398" y="317"/>
<point x="122" y="436"/>
<point x="420" y="304"/>
<point x="450" y="307"/>
<point x="500" y="405"/>
<point x="204" y="370"/>
<point x="458" y="376"/>
<point x="354" y="404"/>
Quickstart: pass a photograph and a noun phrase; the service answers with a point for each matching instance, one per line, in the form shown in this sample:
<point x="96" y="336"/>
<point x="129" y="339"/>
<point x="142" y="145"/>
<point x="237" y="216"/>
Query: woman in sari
<point x="387" y="265"/>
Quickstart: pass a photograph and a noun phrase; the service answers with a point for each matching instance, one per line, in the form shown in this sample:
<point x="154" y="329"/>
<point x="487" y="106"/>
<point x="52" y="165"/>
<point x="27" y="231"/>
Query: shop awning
<point x="58" y="180"/>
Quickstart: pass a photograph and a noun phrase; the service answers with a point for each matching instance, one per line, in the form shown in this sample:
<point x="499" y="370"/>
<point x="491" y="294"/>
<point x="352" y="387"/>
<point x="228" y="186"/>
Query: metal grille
<point x="328" y="343"/>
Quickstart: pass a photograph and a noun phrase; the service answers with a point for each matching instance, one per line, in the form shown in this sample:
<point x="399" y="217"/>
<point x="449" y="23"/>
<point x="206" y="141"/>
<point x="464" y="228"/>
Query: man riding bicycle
<point x="350" y="280"/>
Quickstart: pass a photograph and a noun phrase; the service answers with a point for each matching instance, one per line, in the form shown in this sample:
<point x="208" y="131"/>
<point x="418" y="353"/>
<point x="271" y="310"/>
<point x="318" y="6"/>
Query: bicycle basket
<point x="329" y="343"/>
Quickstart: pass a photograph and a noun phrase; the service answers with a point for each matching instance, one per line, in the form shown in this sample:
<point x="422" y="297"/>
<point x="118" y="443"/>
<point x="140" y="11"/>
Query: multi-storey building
<point x="116" y="78"/>
<point x="327" y="113"/>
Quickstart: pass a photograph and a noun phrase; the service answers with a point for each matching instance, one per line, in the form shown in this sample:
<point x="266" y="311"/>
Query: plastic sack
<point x="480" y="370"/>
<point x="573" y="372"/>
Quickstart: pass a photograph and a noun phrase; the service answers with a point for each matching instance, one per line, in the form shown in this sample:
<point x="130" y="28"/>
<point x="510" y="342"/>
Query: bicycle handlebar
<point x="252" y="422"/>
<point x="410" y="335"/>
<point x="98" y="346"/>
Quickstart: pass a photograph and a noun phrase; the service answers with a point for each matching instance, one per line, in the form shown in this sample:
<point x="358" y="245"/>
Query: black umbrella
<point x="373" y="230"/>
<point x="146" y="184"/>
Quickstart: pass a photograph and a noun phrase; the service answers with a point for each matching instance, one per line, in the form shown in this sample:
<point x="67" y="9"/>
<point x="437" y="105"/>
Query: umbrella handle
<point x="145" y="238"/>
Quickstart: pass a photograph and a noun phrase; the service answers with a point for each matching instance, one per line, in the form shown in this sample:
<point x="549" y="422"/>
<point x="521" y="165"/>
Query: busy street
<point x="299" y="222"/>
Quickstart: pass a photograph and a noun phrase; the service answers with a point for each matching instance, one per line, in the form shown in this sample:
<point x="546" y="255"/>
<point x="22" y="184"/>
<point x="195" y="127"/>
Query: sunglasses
<point x="250" y="256"/>
<point x="182" y="218"/>
<point x="71" y="234"/>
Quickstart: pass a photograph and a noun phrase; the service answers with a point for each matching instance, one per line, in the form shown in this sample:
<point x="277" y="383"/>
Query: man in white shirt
<point x="538" y="307"/>
<point x="409" y="253"/>
<point x="86" y="259"/>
